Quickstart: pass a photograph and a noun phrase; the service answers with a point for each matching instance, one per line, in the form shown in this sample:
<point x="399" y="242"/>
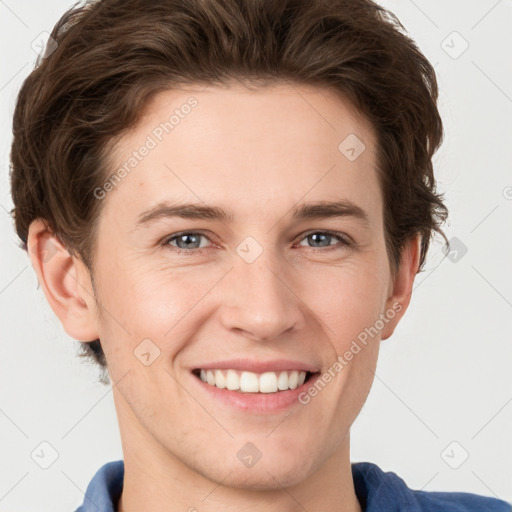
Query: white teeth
<point x="282" y="381"/>
<point x="220" y="381"/>
<point x="249" y="382"/>
<point x="293" y="379"/>
<point x="268" y="382"/>
<point x="210" y="378"/>
<point x="232" y="380"/>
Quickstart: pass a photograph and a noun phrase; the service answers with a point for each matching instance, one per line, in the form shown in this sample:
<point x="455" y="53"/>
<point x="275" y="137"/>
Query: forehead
<point x="257" y="150"/>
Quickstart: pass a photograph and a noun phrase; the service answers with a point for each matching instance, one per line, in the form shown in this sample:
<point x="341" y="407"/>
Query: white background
<point x="444" y="376"/>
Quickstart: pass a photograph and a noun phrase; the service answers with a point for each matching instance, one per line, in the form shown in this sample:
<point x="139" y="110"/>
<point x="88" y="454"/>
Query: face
<point x="270" y="293"/>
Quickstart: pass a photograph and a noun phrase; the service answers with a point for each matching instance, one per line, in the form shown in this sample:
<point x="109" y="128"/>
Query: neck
<point x="176" y="487"/>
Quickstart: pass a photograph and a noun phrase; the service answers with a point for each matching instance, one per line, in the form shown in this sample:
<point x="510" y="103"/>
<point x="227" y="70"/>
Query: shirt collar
<point x="104" y="490"/>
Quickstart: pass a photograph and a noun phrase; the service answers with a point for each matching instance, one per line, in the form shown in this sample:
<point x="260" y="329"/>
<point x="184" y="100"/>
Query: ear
<point x="65" y="281"/>
<point x="401" y="286"/>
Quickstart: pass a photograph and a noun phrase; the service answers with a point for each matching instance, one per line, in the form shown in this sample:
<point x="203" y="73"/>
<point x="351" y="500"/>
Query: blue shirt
<point x="376" y="490"/>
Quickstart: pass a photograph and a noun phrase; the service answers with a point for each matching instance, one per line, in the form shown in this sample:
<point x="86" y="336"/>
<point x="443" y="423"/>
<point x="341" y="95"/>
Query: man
<point x="293" y="143"/>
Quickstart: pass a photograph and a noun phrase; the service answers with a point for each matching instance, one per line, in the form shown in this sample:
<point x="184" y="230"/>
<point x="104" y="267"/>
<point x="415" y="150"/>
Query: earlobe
<point x="67" y="291"/>
<point x="398" y="302"/>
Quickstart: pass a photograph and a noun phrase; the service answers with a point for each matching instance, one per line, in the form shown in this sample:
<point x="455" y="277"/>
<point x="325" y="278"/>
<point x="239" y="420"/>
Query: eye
<point x="325" y="237"/>
<point x="186" y="241"/>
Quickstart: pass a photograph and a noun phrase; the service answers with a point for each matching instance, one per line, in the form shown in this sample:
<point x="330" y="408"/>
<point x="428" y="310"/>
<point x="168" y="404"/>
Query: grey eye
<point x="186" y="241"/>
<point x="323" y="239"/>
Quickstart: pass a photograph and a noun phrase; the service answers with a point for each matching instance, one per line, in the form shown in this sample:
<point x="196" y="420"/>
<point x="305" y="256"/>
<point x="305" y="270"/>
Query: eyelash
<point x="345" y="242"/>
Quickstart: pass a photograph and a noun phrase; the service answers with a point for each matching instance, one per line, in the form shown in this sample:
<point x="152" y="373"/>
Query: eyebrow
<point x="314" y="210"/>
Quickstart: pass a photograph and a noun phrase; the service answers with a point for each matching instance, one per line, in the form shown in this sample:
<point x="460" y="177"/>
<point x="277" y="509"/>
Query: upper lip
<point x="252" y="365"/>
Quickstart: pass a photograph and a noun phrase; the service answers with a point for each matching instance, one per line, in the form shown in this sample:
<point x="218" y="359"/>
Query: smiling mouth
<point x="250" y="382"/>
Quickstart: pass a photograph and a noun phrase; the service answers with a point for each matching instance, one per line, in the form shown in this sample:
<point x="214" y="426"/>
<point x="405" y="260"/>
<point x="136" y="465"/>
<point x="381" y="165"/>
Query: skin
<point x="257" y="154"/>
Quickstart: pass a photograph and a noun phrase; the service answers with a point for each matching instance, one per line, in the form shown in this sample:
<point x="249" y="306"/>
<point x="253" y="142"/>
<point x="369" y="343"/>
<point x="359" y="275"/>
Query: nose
<point x="259" y="301"/>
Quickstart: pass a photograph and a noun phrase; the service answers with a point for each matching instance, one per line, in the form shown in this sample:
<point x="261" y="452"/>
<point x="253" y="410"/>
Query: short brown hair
<point x="113" y="55"/>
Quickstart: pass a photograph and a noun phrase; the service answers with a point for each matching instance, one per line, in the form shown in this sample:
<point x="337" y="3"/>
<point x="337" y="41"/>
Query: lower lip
<point x="257" y="402"/>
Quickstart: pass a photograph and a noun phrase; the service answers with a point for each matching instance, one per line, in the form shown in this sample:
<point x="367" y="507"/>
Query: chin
<point x="270" y="474"/>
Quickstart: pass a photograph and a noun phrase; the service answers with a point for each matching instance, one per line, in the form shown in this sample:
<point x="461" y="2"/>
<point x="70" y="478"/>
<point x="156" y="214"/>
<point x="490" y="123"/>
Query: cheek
<point x="152" y="297"/>
<point x="347" y="300"/>
<point x="167" y="295"/>
<point x="165" y="305"/>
